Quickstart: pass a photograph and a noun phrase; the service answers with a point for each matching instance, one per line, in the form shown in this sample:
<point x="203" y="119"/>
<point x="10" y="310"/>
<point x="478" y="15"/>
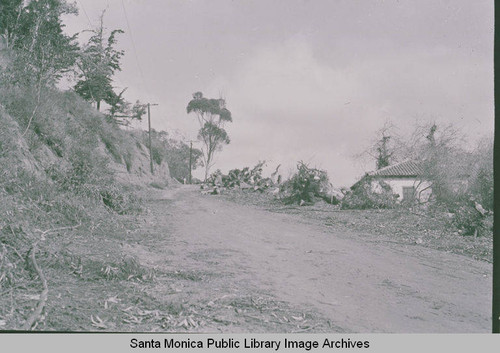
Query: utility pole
<point x="150" y="145"/>
<point x="190" y="157"/>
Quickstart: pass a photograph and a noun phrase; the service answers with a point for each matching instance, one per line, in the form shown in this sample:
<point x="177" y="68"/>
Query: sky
<point x="305" y="80"/>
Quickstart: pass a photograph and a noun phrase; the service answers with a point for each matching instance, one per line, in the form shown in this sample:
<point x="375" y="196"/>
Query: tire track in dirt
<point x="355" y="285"/>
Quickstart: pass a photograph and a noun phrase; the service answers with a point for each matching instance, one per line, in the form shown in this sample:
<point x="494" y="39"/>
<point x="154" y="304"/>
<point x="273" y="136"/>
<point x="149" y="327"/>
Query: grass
<point x="157" y="185"/>
<point x="87" y="270"/>
<point x="58" y="191"/>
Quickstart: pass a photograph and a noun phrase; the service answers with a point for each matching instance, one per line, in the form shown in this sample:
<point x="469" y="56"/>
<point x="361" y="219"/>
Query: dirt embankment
<point x="68" y="173"/>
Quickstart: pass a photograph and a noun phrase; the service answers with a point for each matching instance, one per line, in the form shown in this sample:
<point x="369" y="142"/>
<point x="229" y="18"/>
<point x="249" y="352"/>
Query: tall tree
<point x="42" y="52"/>
<point x="212" y="115"/>
<point x="121" y="111"/>
<point x="98" y="61"/>
<point x="444" y="163"/>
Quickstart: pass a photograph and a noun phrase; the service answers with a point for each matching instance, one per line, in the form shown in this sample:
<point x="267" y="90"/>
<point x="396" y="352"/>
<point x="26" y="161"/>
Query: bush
<point x="174" y="151"/>
<point x="363" y="197"/>
<point x="305" y="186"/>
<point x="215" y="179"/>
<point x="483" y="188"/>
<point x="88" y="175"/>
<point x="253" y="176"/>
<point x="469" y="220"/>
<point x="239" y="177"/>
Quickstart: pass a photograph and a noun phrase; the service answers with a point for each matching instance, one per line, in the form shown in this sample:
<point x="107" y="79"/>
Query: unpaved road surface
<point x="228" y="257"/>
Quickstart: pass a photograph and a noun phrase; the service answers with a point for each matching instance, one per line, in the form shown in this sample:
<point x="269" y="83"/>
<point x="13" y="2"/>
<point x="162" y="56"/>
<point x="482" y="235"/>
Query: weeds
<point x="54" y="176"/>
<point x="157" y="185"/>
<point x="93" y="269"/>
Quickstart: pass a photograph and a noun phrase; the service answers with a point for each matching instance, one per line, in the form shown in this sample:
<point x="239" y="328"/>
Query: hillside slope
<point x="63" y="124"/>
<point x="68" y="181"/>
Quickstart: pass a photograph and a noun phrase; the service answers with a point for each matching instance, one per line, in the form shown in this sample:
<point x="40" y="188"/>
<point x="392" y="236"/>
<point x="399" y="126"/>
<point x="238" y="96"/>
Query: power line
<point x="85" y="12"/>
<point x="91" y="26"/>
<point x="133" y="46"/>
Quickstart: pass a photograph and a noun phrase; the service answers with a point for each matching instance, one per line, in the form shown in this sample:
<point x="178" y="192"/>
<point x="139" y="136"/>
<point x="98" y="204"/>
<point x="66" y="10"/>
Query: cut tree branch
<point x="43" y="296"/>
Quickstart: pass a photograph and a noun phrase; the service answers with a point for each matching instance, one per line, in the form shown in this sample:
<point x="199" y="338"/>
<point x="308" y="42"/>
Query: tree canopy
<point x="10" y="14"/>
<point x="97" y="63"/>
<point x="43" y="52"/>
<point x="209" y="110"/>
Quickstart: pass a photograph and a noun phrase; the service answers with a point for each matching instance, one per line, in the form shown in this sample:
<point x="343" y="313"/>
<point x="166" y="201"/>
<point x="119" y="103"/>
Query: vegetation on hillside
<point x="63" y="202"/>
<point x="176" y="152"/>
<point x="61" y="162"/>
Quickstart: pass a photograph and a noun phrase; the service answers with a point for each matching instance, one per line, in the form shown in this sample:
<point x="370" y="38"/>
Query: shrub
<point x="362" y="196"/>
<point x="113" y="150"/>
<point x="215" y="179"/>
<point x="88" y="175"/>
<point x="239" y="177"/>
<point x="469" y="220"/>
<point x="120" y="199"/>
<point x="86" y="169"/>
<point x="246" y="175"/>
<point x="305" y="186"/>
<point x="482" y="188"/>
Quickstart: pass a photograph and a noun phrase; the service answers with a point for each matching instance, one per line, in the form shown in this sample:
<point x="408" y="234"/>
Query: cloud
<point x="308" y="80"/>
<point x="290" y="105"/>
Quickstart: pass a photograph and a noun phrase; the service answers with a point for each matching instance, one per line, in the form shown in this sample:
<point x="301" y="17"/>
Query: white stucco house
<point x="405" y="180"/>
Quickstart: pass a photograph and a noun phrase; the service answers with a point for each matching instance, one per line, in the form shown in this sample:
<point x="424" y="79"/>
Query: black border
<point x="496" y="192"/>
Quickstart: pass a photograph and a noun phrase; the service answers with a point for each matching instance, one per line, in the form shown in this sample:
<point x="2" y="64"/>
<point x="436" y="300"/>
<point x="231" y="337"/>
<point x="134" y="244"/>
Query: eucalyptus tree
<point x="212" y="115"/>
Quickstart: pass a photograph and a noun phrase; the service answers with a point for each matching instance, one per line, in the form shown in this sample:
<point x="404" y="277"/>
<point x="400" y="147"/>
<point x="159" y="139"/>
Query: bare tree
<point x="444" y="163"/>
<point x="384" y="148"/>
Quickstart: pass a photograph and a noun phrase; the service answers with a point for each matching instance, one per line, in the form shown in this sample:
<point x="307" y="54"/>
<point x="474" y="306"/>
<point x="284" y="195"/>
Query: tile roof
<point x="406" y="168"/>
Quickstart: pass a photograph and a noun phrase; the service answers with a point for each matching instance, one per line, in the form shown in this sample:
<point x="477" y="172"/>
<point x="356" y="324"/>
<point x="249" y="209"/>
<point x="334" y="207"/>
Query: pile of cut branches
<point x="307" y="186"/>
<point x="362" y="196"/>
<point x="245" y="178"/>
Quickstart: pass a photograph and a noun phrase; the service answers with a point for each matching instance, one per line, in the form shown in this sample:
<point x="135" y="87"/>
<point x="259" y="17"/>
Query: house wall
<point x="423" y="191"/>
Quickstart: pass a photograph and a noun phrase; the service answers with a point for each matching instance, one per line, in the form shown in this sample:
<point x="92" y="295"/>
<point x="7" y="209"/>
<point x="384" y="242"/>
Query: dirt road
<point x="250" y="270"/>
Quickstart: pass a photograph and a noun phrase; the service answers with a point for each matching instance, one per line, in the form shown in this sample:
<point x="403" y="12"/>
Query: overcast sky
<point x="307" y="80"/>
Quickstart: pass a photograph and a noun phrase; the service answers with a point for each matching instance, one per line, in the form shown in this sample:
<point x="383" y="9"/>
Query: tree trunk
<point x="207" y="168"/>
<point x="208" y="161"/>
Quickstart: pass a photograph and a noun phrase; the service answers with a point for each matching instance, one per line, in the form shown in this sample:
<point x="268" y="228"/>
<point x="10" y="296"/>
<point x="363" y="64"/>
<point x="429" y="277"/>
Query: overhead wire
<point x="85" y="12"/>
<point x="134" y="48"/>
<point x="141" y="73"/>
<point x="92" y="26"/>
